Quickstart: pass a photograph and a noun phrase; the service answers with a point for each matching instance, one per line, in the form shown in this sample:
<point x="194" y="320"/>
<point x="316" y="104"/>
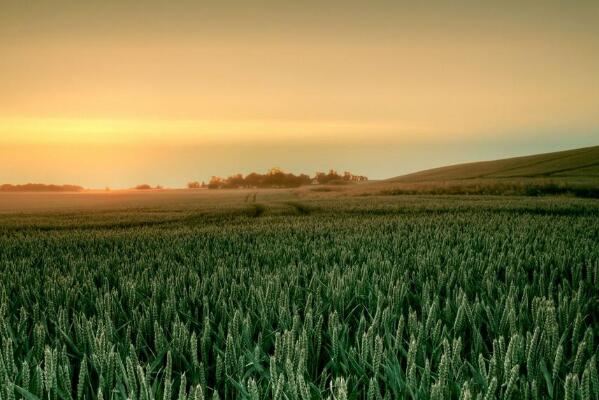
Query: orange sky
<point x="239" y="86"/>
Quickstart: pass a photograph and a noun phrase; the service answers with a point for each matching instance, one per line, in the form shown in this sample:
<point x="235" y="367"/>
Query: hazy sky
<point x="116" y="93"/>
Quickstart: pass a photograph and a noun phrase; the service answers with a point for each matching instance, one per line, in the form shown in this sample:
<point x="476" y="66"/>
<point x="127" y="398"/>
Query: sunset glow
<point x="194" y="132"/>
<point x="234" y="80"/>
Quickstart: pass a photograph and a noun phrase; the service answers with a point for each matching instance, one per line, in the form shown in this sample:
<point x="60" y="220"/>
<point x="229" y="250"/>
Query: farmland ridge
<point x="577" y="163"/>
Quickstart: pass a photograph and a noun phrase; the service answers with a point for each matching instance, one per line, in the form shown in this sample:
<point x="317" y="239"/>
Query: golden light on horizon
<point x="387" y="74"/>
<point x="49" y="131"/>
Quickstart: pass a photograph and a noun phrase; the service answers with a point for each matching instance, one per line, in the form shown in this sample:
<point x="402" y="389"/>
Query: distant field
<point x="130" y="199"/>
<point x="570" y="173"/>
<point x="297" y="295"/>
<point x="579" y="164"/>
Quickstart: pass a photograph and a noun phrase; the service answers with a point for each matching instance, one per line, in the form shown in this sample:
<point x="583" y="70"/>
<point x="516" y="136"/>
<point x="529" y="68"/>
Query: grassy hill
<point x="576" y="164"/>
<point x="571" y="172"/>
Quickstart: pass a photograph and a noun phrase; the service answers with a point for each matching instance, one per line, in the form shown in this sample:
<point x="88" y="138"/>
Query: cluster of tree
<point x="40" y="187"/>
<point x="276" y="178"/>
<point x="145" y="186"/>
<point x="333" y="177"/>
<point x="196" y="185"/>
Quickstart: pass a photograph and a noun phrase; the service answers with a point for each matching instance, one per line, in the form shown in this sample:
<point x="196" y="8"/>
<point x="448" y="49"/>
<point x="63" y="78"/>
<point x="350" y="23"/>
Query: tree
<point x="253" y="180"/>
<point x="215" y="183"/>
<point x="277" y="178"/>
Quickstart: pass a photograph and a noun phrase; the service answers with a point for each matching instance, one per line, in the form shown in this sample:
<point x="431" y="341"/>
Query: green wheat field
<point x="279" y="294"/>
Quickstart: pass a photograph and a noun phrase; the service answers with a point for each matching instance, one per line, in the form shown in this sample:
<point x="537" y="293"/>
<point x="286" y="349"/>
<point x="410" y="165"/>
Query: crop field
<point x="289" y="295"/>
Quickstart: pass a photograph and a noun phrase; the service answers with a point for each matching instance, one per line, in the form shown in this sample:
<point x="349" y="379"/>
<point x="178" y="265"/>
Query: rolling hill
<point x="571" y="172"/>
<point x="575" y="165"/>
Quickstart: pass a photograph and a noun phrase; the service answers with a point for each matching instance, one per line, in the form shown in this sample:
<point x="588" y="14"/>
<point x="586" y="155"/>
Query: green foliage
<point x="276" y="178"/>
<point x="369" y="298"/>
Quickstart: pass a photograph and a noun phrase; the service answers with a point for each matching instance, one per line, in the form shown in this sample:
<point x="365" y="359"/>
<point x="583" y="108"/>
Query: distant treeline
<point x="276" y="178"/>
<point x="40" y="187"/>
<point x="145" y="186"/>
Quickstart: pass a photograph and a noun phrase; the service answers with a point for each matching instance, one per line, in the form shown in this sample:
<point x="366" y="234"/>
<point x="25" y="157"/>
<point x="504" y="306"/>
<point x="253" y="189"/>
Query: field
<point x="582" y="164"/>
<point x="298" y="295"/>
<point x="570" y="172"/>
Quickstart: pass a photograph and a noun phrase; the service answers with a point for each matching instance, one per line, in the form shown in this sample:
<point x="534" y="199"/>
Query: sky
<point x="118" y="93"/>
